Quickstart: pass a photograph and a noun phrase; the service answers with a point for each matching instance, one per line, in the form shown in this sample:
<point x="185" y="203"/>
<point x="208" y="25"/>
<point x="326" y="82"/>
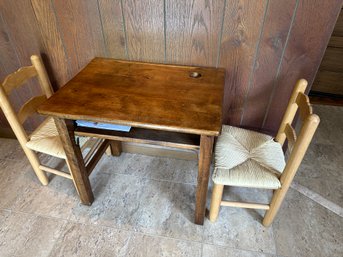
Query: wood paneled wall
<point x="265" y="45"/>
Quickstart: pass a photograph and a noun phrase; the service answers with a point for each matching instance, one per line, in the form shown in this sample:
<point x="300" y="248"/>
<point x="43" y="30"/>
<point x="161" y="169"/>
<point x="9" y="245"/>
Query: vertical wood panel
<point x="193" y="30"/>
<point x="308" y="40"/>
<point x="241" y="32"/>
<point x="68" y="33"/>
<point x="24" y="38"/>
<point x="51" y="42"/>
<point x="113" y="28"/>
<point x="276" y="27"/>
<point x="144" y="24"/>
<point x="80" y="28"/>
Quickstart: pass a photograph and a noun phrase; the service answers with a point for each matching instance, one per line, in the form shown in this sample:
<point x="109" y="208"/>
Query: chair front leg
<point x="217" y="195"/>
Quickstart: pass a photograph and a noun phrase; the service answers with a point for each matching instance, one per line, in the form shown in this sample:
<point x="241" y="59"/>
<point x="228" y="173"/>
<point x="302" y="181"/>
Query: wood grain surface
<point x="270" y="52"/>
<point x="80" y="30"/>
<point x="153" y="96"/>
<point x="113" y="28"/>
<point x="302" y="57"/>
<point x="238" y="49"/>
<point x="144" y="26"/>
<point x="193" y="31"/>
<point x="247" y="38"/>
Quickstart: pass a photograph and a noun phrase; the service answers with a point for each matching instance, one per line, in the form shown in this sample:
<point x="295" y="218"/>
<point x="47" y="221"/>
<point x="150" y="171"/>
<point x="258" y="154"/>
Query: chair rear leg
<point x="34" y="161"/>
<point x="217" y="194"/>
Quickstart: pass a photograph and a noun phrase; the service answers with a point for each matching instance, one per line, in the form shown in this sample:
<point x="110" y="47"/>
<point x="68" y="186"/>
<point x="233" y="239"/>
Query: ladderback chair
<point x="245" y="158"/>
<point x="44" y="139"/>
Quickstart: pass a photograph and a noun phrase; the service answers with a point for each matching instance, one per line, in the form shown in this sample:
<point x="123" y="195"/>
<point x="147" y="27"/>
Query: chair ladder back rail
<point x="290" y="135"/>
<point x="42" y="75"/>
<point x="291" y="110"/>
<point x="18" y="78"/>
<point x="304" y="139"/>
<point x="30" y="107"/>
<point x="304" y="106"/>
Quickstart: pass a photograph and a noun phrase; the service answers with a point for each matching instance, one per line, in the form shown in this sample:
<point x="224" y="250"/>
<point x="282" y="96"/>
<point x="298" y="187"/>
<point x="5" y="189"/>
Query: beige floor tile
<point x="219" y="251"/>
<point x="146" y="205"/>
<point x="28" y="235"/>
<point x="162" y="168"/>
<point x="304" y="228"/>
<point x="241" y="228"/>
<point x="83" y="240"/>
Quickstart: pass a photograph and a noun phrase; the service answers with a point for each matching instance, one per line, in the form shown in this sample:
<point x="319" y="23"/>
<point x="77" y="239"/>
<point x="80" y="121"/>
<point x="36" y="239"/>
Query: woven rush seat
<point x="248" y="159"/>
<point x="45" y="139"/>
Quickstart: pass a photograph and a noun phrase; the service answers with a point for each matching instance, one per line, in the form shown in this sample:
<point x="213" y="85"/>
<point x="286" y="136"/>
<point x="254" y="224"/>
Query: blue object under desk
<point x="91" y="124"/>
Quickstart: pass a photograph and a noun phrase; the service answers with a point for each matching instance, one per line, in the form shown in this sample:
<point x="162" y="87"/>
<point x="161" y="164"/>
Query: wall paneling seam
<point x="279" y="66"/>
<point x="221" y="35"/>
<point x="252" y="73"/>
<point x="102" y="29"/>
<point x="124" y="29"/>
<point x="60" y="35"/>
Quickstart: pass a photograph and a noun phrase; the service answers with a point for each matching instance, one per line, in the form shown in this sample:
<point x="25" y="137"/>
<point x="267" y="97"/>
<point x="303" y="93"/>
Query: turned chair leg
<point x="275" y="205"/>
<point x="217" y="194"/>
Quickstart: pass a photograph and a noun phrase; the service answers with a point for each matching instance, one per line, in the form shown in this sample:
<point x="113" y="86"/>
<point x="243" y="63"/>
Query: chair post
<point x="42" y="75"/>
<point x="217" y="194"/>
<point x="298" y="153"/>
<point x="21" y="136"/>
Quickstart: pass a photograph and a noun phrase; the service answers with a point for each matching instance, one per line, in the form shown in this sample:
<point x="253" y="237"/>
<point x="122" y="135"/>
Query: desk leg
<point x="75" y="161"/>
<point x="205" y="156"/>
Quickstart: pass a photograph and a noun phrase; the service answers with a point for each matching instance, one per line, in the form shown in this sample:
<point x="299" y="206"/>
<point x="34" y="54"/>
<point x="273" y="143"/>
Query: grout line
<point x="252" y="70"/>
<point x="124" y="28"/>
<point x="331" y="206"/>
<point x="221" y="35"/>
<point x="279" y="66"/>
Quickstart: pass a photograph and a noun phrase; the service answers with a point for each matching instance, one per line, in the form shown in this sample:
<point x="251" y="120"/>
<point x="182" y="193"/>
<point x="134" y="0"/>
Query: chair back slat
<point x="18" y="78"/>
<point x="300" y="147"/>
<point x="290" y="135"/>
<point x="30" y="107"/>
<point x="305" y="109"/>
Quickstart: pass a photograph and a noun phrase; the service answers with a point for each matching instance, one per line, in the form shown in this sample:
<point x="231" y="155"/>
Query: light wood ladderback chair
<point x="45" y="139"/>
<point x="245" y="158"/>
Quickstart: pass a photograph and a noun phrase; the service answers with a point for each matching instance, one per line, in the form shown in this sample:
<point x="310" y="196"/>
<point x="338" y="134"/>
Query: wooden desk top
<point x="153" y="96"/>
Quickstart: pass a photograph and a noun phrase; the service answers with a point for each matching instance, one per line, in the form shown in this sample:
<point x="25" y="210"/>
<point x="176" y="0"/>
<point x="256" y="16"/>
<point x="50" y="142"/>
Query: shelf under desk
<point x="144" y="136"/>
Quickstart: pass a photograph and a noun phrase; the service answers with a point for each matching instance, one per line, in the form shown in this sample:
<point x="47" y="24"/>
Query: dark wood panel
<point x="308" y="39"/>
<point x="193" y="29"/>
<point x="81" y="32"/>
<point x="241" y="32"/>
<point x="144" y="24"/>
<point x="24" y="40"/>
<point x="333" y="60"/>
<point x="113" y="28"/>
<point x="338" y="31"/>
<point x="8" y="63"/>
<point x="273" y="40"/>
<point x="51" y="43"/>
<point x="329" y="82"/>
<point x="20" y="39"/>
<point x="336" y="42"/>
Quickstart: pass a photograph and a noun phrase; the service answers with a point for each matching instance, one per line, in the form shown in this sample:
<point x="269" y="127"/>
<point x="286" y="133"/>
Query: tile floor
<point x="144" y="207"/>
